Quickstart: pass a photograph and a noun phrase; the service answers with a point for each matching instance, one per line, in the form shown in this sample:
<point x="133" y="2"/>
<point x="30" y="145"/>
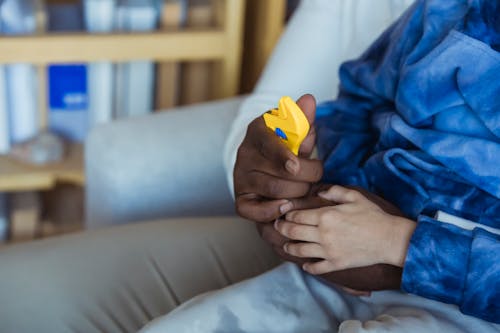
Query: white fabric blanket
<point x="288" y="300"/>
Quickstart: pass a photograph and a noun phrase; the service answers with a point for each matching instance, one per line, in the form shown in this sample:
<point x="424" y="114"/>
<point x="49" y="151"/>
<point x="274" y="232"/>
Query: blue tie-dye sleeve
<point x="416" y="121"/>
<point x="453" y="265"/>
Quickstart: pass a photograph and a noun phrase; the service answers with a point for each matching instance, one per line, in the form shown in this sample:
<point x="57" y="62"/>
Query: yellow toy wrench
<point x="289" y="123"/>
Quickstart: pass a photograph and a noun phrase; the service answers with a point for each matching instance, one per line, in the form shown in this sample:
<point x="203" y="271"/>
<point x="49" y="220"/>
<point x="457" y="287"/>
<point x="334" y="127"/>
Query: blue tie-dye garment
<point x="417" y="121"/>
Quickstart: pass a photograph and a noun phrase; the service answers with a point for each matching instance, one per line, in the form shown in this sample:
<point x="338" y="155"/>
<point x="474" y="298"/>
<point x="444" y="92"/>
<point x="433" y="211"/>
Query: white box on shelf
<point x="99" y="18"/>
<point x="20" y="18"/>
<point x="135" y="80"/>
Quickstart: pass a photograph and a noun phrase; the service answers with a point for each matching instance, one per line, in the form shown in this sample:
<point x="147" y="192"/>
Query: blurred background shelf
<point x="221" y="42"/>
<point x="190" y="45"/>
<point x="16" y="176"/>
<point x="200" y="50"/>
<point x="239" y="43"/>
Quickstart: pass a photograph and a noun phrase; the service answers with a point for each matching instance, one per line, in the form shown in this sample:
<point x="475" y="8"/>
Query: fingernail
<point x="322" y="194"/>
<point x="292" y="167"/>
<point x="286" y="208"/>
<point x="276" y="224"/>
<point x="285" y="247"/>
<point x="304" y="267"/>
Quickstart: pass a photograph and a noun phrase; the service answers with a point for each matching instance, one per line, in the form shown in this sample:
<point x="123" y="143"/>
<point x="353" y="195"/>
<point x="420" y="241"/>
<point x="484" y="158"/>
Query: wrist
<point x="402" y="231"/>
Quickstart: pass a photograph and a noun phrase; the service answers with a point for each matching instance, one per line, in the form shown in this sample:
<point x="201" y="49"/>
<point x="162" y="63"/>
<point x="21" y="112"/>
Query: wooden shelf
<point x="17" y="176"/>
<point x="265" y="21"/>
<point x="190" y="45"/>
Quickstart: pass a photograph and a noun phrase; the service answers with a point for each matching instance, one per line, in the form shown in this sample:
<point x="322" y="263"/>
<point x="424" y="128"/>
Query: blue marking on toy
<point x="279" y="132"/>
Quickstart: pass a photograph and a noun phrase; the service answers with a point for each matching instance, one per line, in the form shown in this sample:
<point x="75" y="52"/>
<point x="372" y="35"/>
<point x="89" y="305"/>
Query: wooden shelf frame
<point x="83" y="47"/>
<point x="265" y="22"/>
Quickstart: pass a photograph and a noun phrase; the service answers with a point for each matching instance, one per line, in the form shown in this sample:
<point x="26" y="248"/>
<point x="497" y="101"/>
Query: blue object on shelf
<point x="68" y="87"/>
<point x="68" y="101"/>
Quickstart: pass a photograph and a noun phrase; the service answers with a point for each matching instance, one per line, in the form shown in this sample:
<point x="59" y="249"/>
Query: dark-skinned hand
<point x="269" y="181"/>
<point x="267" y="174"/>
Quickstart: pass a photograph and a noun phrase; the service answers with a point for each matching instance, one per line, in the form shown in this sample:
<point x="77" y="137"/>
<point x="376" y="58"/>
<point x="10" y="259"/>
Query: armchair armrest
<point x="162" y="165"/>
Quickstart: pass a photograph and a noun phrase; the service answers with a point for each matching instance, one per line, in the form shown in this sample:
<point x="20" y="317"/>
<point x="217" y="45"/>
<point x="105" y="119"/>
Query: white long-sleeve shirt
<point x="319" y="37"/>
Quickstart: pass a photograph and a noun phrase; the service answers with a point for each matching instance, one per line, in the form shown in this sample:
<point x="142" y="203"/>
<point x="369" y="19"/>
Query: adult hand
<point x="267" y="174"/>
<point x="262" y="156"/>
<point x="369" y="278"/>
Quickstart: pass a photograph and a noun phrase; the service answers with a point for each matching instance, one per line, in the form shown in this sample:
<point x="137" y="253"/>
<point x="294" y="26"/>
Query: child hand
<point x="355" y="232"/>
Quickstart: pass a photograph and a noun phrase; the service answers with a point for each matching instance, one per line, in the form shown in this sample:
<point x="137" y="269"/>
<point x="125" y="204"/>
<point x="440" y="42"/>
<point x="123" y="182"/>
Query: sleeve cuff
<point x="482" y="288"/>
<point x="437" y="261"/>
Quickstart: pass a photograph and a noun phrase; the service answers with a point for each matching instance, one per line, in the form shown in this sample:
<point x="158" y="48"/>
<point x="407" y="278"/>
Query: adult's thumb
<point x="307" y="104"/>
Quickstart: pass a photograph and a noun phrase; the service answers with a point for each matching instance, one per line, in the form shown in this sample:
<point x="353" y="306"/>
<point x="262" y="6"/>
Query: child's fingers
<point x="318" y="268"/>
<point x="310" y="217"/>
<point x="340" y="194"/>
<point x="310" y="202"/>
<point x="298" y="232"/>
<point x="304" y="250"/>
<point x="288" y="257"/>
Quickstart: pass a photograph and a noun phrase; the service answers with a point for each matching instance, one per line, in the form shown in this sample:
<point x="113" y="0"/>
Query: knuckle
<point x="324" y="217"/>
<point x="324" y="238"/>
<point x="274" y="188"/>
<point x="262" y="215"/>
<point x="294" y="231"/>
<point x="241" y="211"/>
<point x="267" y="215"/>
<point x="301" y="251"/>
<point x="242" y="151"/>
<point x="261" y="148"/>
<point x="270" y="212"/>
<point x="291" y="249"/>
<point x="353" y="195"/>
<point x="284" y="228"/>
<point x="257" y="213"/>
<point x="251" y="180"/>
